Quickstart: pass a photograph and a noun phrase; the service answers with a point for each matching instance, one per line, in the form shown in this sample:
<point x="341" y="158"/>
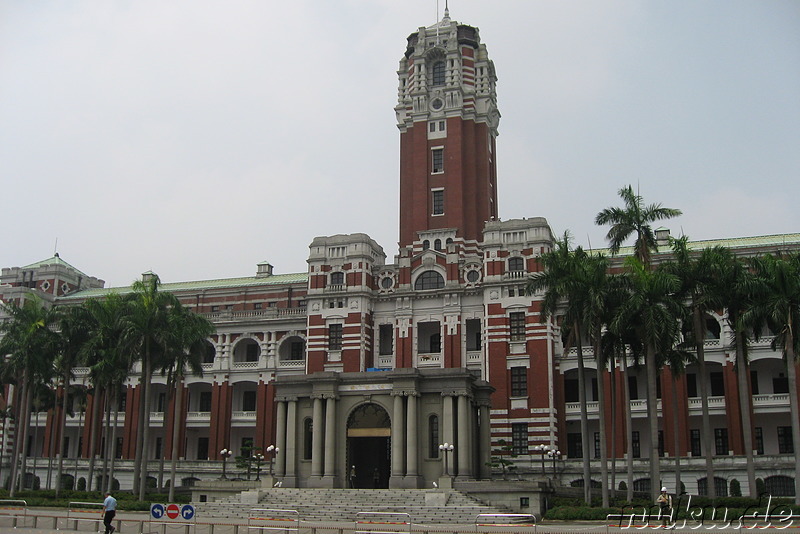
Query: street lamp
<point x="225" y="453"/>
<point x="542" y="449"/>
<point x="555" y="454"/>
<point x="273" y="451"/>
<point x="446" y="448"/>
<point x="258" y="459"/>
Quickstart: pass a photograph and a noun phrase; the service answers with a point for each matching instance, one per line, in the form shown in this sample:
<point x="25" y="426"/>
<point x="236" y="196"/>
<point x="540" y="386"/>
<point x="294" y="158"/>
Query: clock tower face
<point x="447" y="117"/>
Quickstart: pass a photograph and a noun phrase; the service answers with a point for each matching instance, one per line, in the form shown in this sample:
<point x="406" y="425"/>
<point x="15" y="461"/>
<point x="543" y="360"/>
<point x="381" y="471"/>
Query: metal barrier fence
<point x="273" y="519"/>
<point x="14" y="509"/>
<point x="382" y="523"/>
<point x="91" y="512"/>
<point x="504" y="523"/>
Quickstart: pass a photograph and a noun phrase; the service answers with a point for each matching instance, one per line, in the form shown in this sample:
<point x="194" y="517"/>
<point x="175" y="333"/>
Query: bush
<point x="760" y="486"/>
<point x="623" y="486"/>
<point x="81" y="484"/>
<point x="736" y="488"/>
<point x="579" y="513"/>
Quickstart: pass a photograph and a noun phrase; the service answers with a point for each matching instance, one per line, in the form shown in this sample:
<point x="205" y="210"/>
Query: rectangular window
<point x="433" y="437"/>
<point x="247" y="447"/>
<point x="473" y="334"/>
<point x="437" y="160"/>
<point x="386" y="340"/>
<point x="597" y="444"/>
<point x="717" y="384"/>
<point x="162" y="400"/>
<point x="519" y="438"/>
<point x="258" y="305"/>
<point x="438" y="202"/>
<point x="122" y="402"/>
<point x="721" y="441"/>
<point x="249" y="401"/>
<point x="571" y="390"/>
<point x="65" y="450"/>
<point x="574" y="445"/>
<point x="252" y="352"/>
<point x="691" y="385"/>
<point x="118" y="448"/>
<point x="661" y="443"/>
<point x="205" y="402"/>
<point x="785" y="443"/>
<point x="636" y="445"/>
<point x="516" y="321"/>
<point x="202" y="448"/>
<point x="519" y="381"/>
<point x="780" y="384"/>
<point x="633" y="388"/>
<point x="335" y="337"/>
<point x="694" y="442"/>
<point x="432" y="126"/>
<point x="159" y="445"/>
<point x="759" y="435"/>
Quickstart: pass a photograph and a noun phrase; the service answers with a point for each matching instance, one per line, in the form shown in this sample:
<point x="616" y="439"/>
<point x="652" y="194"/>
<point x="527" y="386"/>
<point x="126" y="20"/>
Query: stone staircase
<point x="342" y="505"/>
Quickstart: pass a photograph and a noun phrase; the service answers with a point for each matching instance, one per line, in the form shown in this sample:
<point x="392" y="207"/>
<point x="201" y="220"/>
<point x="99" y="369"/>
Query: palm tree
<point x="777" y="302"/>
<point x="736" y="291"/>
<point x="634" y="219"/>
<point x="74" y="326"/>
<point x="653" y="311"/>
<point x="147" y="331"/>
<point x="32" y="347"/>
<point x="187" y="348"/>
<point x="701" y="291"/>
<point x="564" y="285"/>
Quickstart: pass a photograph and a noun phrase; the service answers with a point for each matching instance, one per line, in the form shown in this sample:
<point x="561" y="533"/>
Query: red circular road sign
<point x="173" y="511"/>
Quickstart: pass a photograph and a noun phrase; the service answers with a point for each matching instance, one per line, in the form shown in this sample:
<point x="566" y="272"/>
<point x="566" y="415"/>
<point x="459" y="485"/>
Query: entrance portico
<point x="380" y="429"/>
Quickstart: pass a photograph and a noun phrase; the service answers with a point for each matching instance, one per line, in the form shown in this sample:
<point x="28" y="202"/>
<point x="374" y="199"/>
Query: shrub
<point x="81" y="484"/>
<point x="736" y="488"/>
<point x="623" y="486"/>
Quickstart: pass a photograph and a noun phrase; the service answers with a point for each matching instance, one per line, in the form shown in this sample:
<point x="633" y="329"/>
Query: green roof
<point x="175" y="287"/>
<point x="775" y="241"/>
<point x="55" y="260"/>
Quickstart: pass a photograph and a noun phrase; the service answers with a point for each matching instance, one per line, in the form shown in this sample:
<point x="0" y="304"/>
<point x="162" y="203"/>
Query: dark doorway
<point x="368" y="449"/>
<point x="370" y="456"/>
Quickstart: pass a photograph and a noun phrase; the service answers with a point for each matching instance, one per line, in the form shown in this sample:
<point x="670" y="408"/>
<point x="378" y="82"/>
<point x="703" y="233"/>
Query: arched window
<point x="426" y="245"/>
<point x="516" y="264"/>
<point x="429" y="280"/>
<point x="433" y="436"/>
<point x="720" y="486"/>
<point x="780" y="486"/>
<point x="438" y="73"/>
<point x="337" y="278"/>
<point x="713" y="330"/>
<point x="437" y="245"/>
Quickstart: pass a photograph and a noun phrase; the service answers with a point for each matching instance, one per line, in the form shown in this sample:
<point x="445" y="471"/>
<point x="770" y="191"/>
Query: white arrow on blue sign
<point x="157" y="510"/>
<point x="187" y="511"/>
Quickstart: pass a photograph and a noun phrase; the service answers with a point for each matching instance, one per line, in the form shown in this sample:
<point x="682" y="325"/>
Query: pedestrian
<point x="352" y="476"/>
<point x="376" y="477"/>
<point x="664" y="502"/>
<point x="109" y="511"/>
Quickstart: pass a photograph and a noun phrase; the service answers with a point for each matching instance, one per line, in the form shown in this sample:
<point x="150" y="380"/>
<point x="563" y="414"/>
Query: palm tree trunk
<point x="601" y="410"/>
<point x="145" y="433"/>
<point x="744" y="408"/>
<point x="628" y="426"/>
<point x="613" y="455"/>
<point x="15" y="449"/>
<point x="587" y="476"/>
<point x="652" y="414"/>
<point x="676" y="429"/>
<point x="708" y="438"/>
<point x="110" y="483"/>
<point x="106" y="433"/>
<point x="93" y="435"/>
<point x="26" y="425"/>
<point x="62" y="437"/>
<point x="176" y="430"/>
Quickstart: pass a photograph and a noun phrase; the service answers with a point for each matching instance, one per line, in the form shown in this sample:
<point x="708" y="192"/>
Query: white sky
<point x="197" y="138"/>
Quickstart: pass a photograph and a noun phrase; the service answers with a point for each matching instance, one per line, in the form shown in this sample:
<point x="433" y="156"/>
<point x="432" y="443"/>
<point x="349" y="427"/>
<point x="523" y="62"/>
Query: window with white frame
<point x="437" y="201"/>
<point x="437" y="160"/>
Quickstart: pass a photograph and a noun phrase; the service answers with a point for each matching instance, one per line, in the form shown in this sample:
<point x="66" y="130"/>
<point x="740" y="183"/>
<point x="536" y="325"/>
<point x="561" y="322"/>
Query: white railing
<point x="292" y="364"/>
<point x="243" y="416"/>
<point x="474" y="356"/>
<point x="198" y="416"/>
<point x="334" y="287"/>
<point x="431" y="359"/>
<point x="775" y="399"/>
<point x="245" y="365"/>
<point x="385" y="362"/>
<point x="156" y="417"/>
<point x="713" y="402"/>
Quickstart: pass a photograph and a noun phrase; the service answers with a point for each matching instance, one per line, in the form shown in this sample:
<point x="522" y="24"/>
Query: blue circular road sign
<point x="157" y="510"/>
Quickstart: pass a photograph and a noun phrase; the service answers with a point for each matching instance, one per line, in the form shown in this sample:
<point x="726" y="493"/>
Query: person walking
<point x="109" y="511"/>
<point x="664" y="501"/>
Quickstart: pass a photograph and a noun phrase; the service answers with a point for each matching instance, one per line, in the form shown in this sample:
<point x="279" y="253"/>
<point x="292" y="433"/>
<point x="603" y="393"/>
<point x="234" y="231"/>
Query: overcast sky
<point x="198" y="138"/>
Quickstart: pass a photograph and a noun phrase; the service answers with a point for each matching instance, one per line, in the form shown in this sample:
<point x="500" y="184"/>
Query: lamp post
<point x="225" y="453"/>
<point x="542" y="449"/>
<point x="555" y="454"/>
<point x="258" y="459"/>
<point x="273" y="451"/>
<point x="446" y="448"/>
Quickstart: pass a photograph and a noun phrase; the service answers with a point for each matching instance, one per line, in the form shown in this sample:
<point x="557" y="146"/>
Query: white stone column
<point x="464" y="445"/>
<point x="448" y="432"/>
<point x="291" y="438"/>
<point x="330" y="436"/>
<point x="398" y="435"/>
<point x="412" y="454"/>
<point x="317" y="439"/>
<point x="280" y="439"/>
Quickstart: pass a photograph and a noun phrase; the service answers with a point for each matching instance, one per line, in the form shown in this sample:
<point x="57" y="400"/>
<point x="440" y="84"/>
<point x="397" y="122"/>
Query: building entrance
<point x="368" y="451"/>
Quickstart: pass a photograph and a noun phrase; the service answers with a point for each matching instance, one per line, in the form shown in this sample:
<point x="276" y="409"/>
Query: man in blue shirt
<point x="109" y="511"/>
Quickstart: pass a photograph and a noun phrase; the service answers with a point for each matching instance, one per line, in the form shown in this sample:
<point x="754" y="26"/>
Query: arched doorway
<point x="368" y="454"/>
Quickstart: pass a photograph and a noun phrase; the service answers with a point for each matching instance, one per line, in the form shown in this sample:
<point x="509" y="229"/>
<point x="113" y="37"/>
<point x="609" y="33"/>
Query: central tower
<point x="447" y="115"/>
